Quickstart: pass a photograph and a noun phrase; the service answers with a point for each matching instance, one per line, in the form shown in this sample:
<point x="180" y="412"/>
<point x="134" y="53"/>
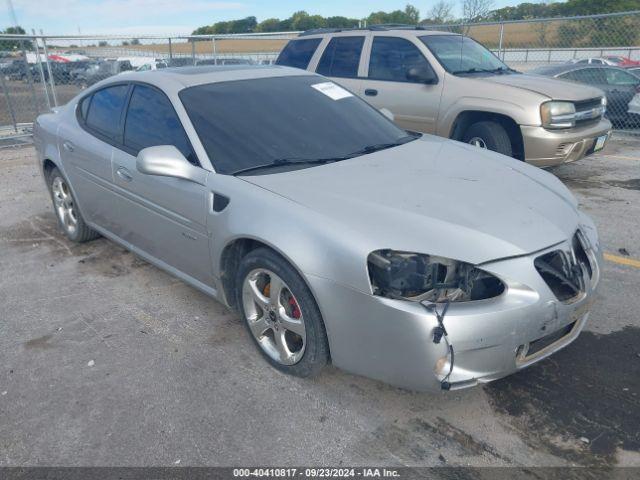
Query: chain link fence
<point x="40" y="72"/>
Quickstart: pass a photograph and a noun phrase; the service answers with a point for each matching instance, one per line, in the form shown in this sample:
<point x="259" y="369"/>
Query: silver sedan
<point x="337" y="236"/>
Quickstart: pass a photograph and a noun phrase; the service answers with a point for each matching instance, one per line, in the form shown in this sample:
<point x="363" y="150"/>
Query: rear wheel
<point x="64" y="205"/>
<point x="281" y="314"/>
<point x="489" y="135"/>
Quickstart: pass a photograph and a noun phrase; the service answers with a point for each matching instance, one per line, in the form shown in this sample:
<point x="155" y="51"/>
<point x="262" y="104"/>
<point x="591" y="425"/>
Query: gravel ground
<point x="106" y="360"/>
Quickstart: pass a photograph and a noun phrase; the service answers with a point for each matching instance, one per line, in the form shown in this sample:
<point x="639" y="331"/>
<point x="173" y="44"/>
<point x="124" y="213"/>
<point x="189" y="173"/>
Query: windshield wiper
<point x="485" y="70"/>
<point x="285" y="162"/>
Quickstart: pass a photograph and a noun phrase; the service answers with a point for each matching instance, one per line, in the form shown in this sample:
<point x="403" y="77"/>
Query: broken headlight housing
<point x="419" y="278"/>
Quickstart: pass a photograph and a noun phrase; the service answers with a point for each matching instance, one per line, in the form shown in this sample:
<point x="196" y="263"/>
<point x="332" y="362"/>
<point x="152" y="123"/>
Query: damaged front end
<point x="426" y="278"/>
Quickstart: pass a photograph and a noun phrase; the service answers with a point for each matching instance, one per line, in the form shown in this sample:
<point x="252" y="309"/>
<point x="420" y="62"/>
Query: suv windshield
<point x="280" y="123"/>
<point x="458" y="54"/>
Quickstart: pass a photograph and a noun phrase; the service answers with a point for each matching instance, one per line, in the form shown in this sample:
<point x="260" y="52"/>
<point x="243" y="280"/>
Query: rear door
<point x="622" y="87"/>
<point x="86" y="148"/>
<point x="163" y="216"/>
<point x="340" y="61"/>
<point x="414" y="105"/>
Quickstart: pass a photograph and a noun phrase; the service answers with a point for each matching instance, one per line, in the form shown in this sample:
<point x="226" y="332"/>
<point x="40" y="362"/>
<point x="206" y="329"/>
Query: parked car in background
<point x="634" y="70"/>
<point x="450" y="85"/>
<point x="336" y="235"/>
<point x="155" y="65"/>
<point x="180" y="62"/>
<point x="102" y="70"/>
<point x="619" y="85"/>
<point x="225" y="61"/>
<point x="612" y="60"/>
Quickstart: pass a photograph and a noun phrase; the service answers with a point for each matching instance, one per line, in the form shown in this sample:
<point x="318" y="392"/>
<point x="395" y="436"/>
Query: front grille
<point x="562" y="270"/>
<point x="588" y="111"/>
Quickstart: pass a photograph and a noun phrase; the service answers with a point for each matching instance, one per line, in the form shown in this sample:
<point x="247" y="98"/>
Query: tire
<point x="69" y="218"/>
<point x="262" y="268"/>
<point x="492" y="135"/>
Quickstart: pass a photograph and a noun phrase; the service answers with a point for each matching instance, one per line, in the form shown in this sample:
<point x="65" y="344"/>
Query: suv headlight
<point x="558" y="114"/>
<point x="418" y="277"/>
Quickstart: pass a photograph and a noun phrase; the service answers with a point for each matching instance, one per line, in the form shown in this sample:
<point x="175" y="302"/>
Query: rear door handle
<point x="68" y="146"/>
<point x="371" y="92"/>
<point x="124" y="174"/>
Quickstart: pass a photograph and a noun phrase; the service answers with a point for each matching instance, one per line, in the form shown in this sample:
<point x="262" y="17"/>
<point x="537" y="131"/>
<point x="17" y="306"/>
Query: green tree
<point x="15" y="44"/>
<point x="269" y="25"/>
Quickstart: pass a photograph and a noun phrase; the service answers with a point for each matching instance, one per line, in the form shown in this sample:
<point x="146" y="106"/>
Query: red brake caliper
<point x="295" y="309"/>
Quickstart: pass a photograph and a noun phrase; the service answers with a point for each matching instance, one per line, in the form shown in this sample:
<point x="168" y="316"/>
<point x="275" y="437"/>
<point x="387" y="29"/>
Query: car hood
<point x="550" y="87"/>
<point x="434" y="196"/>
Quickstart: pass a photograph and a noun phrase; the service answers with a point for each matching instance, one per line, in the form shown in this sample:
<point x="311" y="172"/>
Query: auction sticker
<point x="332" y="90"/>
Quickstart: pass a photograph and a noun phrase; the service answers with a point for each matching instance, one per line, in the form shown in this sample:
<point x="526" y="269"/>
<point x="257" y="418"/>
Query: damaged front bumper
<point x="392" y="340"/>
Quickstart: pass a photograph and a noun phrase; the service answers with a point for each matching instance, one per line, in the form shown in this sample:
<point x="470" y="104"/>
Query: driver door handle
<point x="124" y="174"/>
<point x="371" y="92"/>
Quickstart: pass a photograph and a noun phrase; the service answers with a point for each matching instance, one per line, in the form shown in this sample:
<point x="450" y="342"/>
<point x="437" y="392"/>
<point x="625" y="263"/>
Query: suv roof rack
<point x="377" y="27"/>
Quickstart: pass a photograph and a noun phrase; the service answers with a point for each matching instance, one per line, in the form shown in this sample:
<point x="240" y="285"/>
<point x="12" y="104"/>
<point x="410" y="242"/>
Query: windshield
<point x="247" y="124"/>
<point x="458" y="54"/>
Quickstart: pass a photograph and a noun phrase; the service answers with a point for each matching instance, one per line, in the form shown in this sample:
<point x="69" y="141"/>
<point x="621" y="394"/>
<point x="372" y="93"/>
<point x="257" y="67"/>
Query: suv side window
<point x="392" y="57"/>
<point x="103" y="115"/>
<point x="151" y="121"/>
<point x="298" y="53"/>
<point x="341" y="57"/>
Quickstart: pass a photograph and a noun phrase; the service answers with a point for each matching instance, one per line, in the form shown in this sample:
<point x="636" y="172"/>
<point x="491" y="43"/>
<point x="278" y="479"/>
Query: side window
<point x="151" y="120"/>
<point x="619" y="77"/>
<point x="103" y="113"/>
<point x="298" y="53"/>
<point x="596" y="61"/>
<point x="592" y="76"/>
<point x="341" y="57"/>
<point x="391" y="59"/>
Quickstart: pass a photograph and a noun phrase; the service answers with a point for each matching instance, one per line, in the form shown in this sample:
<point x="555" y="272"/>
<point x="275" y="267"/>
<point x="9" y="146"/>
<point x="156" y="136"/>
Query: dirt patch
<point x="582" y="404"/>
<point x="40" y="343"/>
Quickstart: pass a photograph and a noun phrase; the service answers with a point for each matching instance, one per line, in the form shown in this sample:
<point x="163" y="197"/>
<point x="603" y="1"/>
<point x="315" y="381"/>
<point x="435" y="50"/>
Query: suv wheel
<point x="281" y="314"/>
<point x="489" y="135"/>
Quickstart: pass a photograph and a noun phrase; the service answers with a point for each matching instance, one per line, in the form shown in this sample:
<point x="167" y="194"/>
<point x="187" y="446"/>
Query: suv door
<point x="87" y="151"/>
<point x="340" y="61"/>
<point x="163" y="216"/>
<point x="414" y="105"/>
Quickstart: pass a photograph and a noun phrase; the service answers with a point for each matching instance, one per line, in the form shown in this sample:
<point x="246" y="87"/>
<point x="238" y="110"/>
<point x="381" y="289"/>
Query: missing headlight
<point x="418" y="277"/>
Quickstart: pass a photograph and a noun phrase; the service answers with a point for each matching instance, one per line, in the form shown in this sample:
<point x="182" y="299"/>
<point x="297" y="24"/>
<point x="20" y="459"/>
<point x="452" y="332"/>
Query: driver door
<point x="165" y="217"/>
<point x="414" y="105"/>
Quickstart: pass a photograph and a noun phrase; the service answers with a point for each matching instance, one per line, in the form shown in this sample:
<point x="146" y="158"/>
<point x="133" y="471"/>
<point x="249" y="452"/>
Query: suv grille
<point x="563" y="271"/>
<point x="588" y="111"/>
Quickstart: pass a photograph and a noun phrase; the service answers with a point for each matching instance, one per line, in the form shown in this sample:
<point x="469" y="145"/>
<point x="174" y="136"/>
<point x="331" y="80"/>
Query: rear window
<point x="341" y="57"/>
<point x="298" y="53"/>
<point x="105" y="109"/>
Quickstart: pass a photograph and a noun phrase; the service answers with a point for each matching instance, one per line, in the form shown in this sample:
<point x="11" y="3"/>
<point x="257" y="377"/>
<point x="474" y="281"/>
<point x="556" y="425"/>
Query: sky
<point x="145" y="17"/>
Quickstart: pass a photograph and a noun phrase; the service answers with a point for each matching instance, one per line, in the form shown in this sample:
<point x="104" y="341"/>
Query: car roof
<point x="174" y="79"/>
<point x="401" y="31"/>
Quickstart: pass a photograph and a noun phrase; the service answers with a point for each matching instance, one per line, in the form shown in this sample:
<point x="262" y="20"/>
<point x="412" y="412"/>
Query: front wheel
<point x="281" y="314"/>
<point x="489" y="135"/>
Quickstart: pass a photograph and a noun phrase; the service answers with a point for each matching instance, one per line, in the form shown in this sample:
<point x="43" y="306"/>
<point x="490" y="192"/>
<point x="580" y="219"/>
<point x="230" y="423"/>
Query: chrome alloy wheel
<point x="478" y="142"/>
<point x="274" y="316"/>
<point x="64" y="205"/>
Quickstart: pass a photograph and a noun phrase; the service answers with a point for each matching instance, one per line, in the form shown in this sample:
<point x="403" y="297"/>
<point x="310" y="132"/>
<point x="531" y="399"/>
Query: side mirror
<point x="422" y="75"/>
<point x="167" y="161"/>
<point x="388" y="113"/>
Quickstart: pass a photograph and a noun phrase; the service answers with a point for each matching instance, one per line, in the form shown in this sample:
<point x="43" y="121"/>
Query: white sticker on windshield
<point x="332" y="90"/>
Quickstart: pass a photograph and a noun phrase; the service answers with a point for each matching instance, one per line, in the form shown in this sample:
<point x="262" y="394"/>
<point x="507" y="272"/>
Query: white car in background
<point x="155" y="65"/>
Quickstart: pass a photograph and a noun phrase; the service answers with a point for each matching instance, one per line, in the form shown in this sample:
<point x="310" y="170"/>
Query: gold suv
<point x="450" y="85"/>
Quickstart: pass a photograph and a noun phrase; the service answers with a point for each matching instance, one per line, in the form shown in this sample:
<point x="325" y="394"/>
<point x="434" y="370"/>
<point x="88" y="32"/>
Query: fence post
<point x="9" y="105"/>
<point x="193" y="51"/>
<point x="29" y="78"/>
<point x="215" y="54"/>
<point x="500" y="51"/>
<point x="51" y="80"/>
<point x="170" y="50"/>
<point x="40" y="69"/>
